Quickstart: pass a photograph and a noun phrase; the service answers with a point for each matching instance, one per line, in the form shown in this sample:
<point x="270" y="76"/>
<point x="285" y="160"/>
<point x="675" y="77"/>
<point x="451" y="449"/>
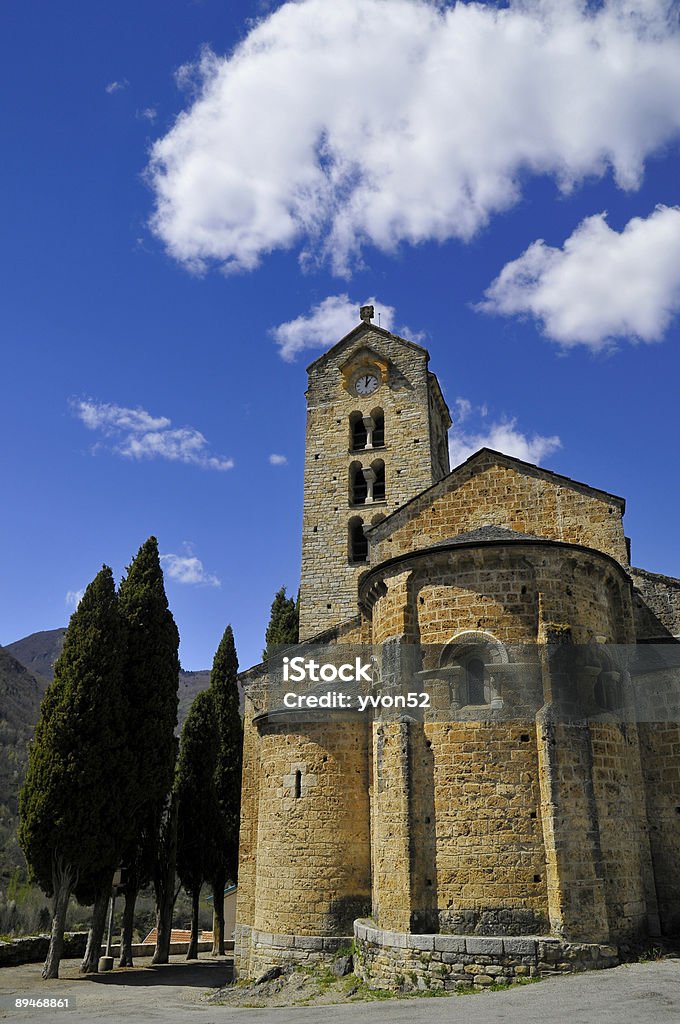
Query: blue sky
<point x="197" y="195"/>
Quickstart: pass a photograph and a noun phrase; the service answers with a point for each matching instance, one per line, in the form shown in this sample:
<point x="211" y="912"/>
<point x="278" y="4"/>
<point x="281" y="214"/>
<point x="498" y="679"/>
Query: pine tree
<point x="224" y="689"/>
<point x="198" y="809"/>
<point x="283" y="628"/>
<point x="151" y="680"/>
<point x="72" y="812"/>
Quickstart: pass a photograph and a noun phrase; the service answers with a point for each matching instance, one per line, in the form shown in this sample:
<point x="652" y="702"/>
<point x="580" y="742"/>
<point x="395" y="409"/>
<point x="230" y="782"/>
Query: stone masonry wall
<point x="497" y="492"/>
<point x="250" y="787"/>
<point x="486" y="589"/>
<point x="659" y="598"/>
<point x="500" y="589"/>
<point x="313" y="851"/>
<point x="391" y="825"/>
<point x="256" y="951"/>
<point x="657" y="695"/>
<point x="489" y="872"/>
<point x="495" y="826"/>
<point x="402" y="962"/>
<point x="328" y="586"/>
<point x="617" y="785"/>
<point x="34" y="948"/>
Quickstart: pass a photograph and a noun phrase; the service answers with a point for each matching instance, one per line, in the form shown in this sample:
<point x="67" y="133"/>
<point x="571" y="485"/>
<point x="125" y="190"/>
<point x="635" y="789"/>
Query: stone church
<point x="529" y="820"/>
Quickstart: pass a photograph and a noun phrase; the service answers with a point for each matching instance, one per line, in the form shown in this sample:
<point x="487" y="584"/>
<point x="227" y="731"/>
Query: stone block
<point x="420" y="941"/>
<point x="309" y="942"/>
<point x="550" y="951"/>
<point x="519" y="947"/>
<point x="449" y="943"/>
<point x="479" y="945"/>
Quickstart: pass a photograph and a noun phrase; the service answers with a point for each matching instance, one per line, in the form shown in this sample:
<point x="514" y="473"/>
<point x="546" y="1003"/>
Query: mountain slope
<point x="26" y="670"/>
<point x="20" y="694"/>
<point x="39" y="651"/>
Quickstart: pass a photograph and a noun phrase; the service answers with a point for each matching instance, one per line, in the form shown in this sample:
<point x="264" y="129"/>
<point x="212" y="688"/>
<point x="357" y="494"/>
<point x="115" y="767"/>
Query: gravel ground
<point x="179" y="992"/>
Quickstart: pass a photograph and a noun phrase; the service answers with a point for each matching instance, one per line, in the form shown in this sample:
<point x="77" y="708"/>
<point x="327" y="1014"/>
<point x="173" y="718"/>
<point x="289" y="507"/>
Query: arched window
<point x="477" y="657"/>
<point x="607" y="691"/>
<point x="357" y="432"/>
<point x="378" y="417"/>
<point x="357" y="543"/>
<point x="358" y="487"/>
<point x="378" y="468"/>
<point x="475" y="677"/>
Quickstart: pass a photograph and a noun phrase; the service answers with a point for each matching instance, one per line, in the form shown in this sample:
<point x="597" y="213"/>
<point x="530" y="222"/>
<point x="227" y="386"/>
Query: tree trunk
<point x="164" y="884"/>
<point x="218" y="885"/>
<point x="90" y="962"/>
<point x="192" y="952"/>
<point x="128" y="927"/>
<point x="63" y="883"/>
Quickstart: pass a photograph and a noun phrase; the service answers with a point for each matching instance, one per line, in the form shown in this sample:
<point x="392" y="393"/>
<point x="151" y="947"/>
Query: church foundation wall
<point x="406" y="962"/>
<point x="256" y="951"/>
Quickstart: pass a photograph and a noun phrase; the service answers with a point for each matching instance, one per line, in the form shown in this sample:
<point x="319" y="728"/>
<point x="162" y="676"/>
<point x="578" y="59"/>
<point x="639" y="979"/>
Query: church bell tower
<point x="377" y="427"/>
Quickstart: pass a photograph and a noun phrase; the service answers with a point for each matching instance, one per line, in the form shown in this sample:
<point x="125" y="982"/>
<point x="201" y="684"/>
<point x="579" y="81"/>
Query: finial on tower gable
<point x="366" y="313"/>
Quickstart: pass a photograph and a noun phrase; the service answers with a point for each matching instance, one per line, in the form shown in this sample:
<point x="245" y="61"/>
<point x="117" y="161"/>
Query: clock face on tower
<point x="366" y="384"/>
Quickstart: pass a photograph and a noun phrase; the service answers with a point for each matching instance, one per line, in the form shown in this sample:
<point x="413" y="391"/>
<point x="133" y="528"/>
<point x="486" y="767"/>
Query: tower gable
<point x="358" y="334"/>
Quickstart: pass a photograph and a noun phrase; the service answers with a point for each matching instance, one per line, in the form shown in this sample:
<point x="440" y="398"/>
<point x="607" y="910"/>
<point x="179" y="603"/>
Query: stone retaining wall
<point x="256" y="951"/>
<point x="402" y="961"/>
<point x="34" y="949"/>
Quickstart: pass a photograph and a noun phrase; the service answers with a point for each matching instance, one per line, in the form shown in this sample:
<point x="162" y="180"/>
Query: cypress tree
<point x="164" y="878"/>
<point x="72" y="811"/>
<point x="283" y="628"/>
<point x="151" y="680"/>
<point x="198" y="810"/>
<point x="225" y="694"/>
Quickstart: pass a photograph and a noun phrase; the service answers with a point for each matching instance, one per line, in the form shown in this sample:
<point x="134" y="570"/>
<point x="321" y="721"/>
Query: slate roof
<point x="485" y="534"/>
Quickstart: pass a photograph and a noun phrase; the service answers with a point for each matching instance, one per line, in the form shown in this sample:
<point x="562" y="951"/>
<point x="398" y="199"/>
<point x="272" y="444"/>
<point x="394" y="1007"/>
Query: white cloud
<point x="601" y="285"/>
<point x="463" y="409"/>
<point x="117" y="86"/>
<point x="74" y="597"/>
<point x="148" y="114"/>
<point x="278" y="460"/>
<point x="328" y="322"/>
<point x="502" y="436"/>
<point x="187" y="569"/>
<point x="378" y="122"/>
<point x="136" y="434"/>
